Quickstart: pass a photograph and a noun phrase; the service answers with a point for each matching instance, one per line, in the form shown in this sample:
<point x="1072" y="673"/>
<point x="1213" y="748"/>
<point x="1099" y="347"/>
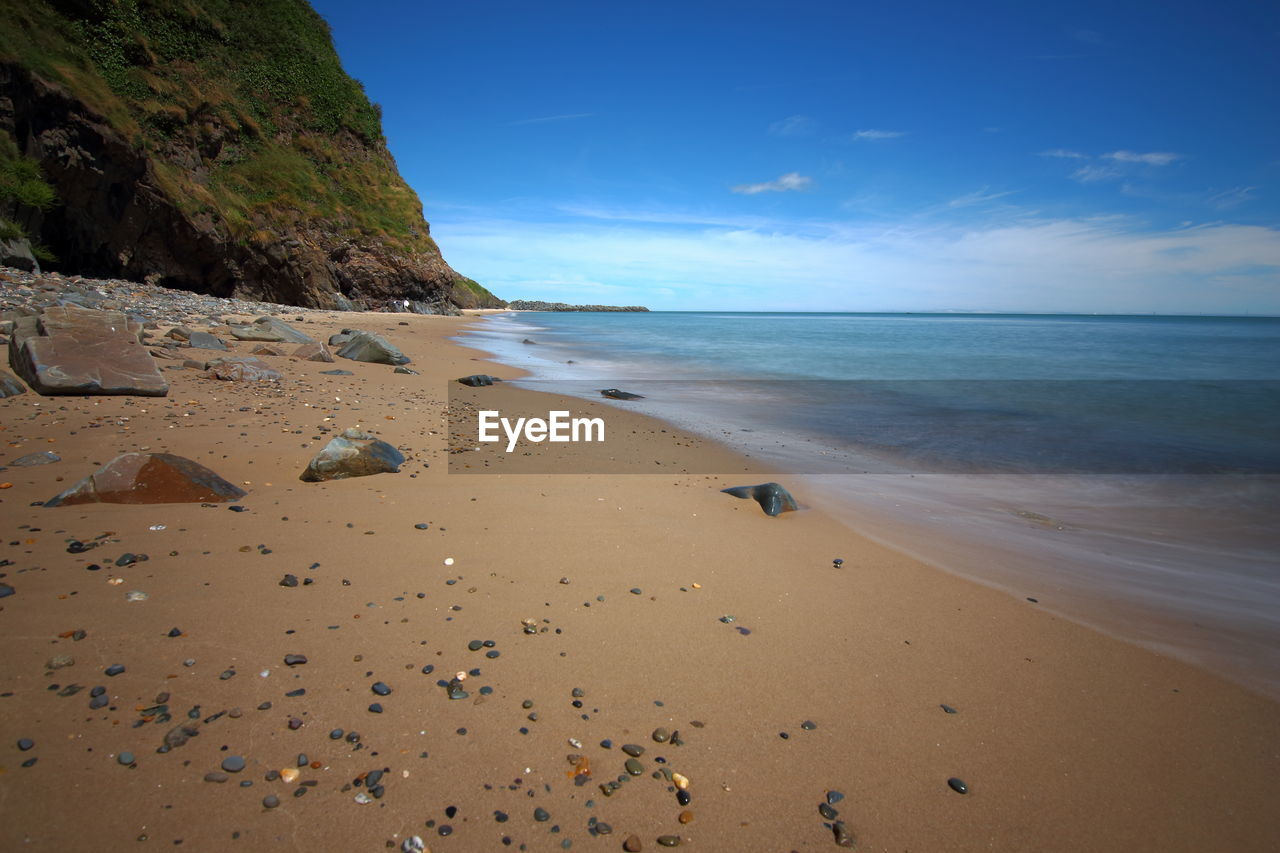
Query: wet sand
<point x="1065" y="738"/>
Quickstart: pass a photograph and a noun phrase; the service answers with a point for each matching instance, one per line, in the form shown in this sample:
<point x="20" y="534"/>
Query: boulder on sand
<point x="241" y="368"/>
<point x="271" y="330"/>
<point x="367" y="346"/>
<point x="353" y="454"/>
<point x="314" y="352"/>
<point x="773" y="499"/>
<point x="74" y="350"/>
<point x="478" y="380"/>
<point x="149" y="478"/>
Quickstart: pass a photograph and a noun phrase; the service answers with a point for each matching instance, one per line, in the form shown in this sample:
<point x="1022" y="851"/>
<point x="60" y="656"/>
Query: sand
<point x="1066" y="739"/>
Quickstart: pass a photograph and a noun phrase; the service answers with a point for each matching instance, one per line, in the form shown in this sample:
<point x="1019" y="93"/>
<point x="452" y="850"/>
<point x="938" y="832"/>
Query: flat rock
<point x="74" y="350"/>
<point x="268" y="349"/>
<point x="241" y="368"/>
<point x="204" y="340"/>
<point x="353" y="454"/>
<point x="315" y="351"/>
<point x="773" y="499"/>
<point x="10" y="386"/>
<point x="149" y="478"/>
<point x="271" y="330"/>
<point x="44" y="457"/>
<point x="370" y="347"/>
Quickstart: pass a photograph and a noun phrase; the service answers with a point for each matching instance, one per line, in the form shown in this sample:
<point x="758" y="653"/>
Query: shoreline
<point x="1055" y="722"/>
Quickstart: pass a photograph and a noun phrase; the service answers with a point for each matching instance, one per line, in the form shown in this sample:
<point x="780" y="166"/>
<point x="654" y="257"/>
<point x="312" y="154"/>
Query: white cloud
<point x="876" y="135"/>
<point x="783" y="183"/>
<point x="1094" y="174"/>
<point x="1064" y="153"/>
<point x="1016" y="264"/>
<point x="1153" y="158"/>
<point x="794" y="126"/>
<point x="545" y="119"/>
<point x="977" y="197"/>
<point x="1232" y="197"/>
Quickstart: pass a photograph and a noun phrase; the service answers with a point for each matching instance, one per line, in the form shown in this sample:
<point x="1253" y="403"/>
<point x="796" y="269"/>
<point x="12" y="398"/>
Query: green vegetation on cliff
<point x="242" y="109"/>
<point x="22" y="183"/>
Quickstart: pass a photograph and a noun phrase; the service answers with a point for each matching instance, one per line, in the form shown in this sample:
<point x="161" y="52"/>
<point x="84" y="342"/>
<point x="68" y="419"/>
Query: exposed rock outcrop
<point x="74" y="350"/>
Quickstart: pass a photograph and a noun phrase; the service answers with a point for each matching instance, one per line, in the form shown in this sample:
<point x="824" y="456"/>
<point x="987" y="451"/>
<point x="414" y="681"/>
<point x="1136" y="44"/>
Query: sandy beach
<point x="659" y="603"/>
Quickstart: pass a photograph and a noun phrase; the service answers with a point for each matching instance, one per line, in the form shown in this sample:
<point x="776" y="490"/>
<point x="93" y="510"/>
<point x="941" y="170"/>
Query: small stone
<point x="685" y="816"/>
<point x="661" y="735"/>
<point x="632" y="844"/>
<point x="827" y="811"/>
<point x="295" y="660"/>
<point x="634" y="750"/>
<point x="634" y="767"/>
<point x="541" y="815"/>
<point x="635" y="590"/>
<point x="125" y="758"/>
<point x="808" y="725"/>
<point x="215" y="776"/>
<point x="843" y="837"/>
<point x="475" y="645"/>
<point x="668" y="841"/>
<point x="375" y="708"/>
<point x="270" y="801"/>
<point x="114" y="669"/>
<point x="289" y="581"/>
<point x="958" y="785"/>
<point x="381" y="689"/>
<point x="948" y="709"/>
<point x="233" y="763"/>
<point x="59" y="661"/>
<point x="834" y="797"/>
<point x="25" y="743"/>
<point x="421" y="526"/>
<point x="682" y="796"/>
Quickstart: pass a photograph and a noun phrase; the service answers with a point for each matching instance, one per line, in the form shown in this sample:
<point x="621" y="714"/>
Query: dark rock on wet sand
<point x="353" y="454"/>
<point x="615" y="394"/>
<point x="773" y="499"/>
<point x="478" y="380"/>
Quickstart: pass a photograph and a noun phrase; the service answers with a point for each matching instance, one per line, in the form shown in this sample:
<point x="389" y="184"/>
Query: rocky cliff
<point x="216" y="147"/>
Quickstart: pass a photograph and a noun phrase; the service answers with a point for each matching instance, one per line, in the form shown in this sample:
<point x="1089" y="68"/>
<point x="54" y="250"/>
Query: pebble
<point x="958" y="785"/>
<point x="837" y="562"/>
<point x="827" y="811"/>
<point x="682" y="796"/>
<point x="289" y="580"/>
<point x="6" y="590"/>
<point x="114" y="669"/>
<point x="125" y="758"/>
<point x="215" y="776"/>
<point x="634" y="767"/>
<point x="808" y="725"/>
<point x="634" y="750"/>
<point x="381" y="688"/>
<point x="843" y="837"/>
<point x="420" y="526"/>
<point x="661" y="735"/>
<point x="541" y="815"/>
<point x="948" y="709"/>
<point x="834" y="797"/>
<point x="375" y="708"/>
<point x="632" y="844"/>
<point x="668" y="840"/>
<point x="635" y="590"/>
<point x="475" y="645"/>
<point x="25" y="743"/>
<point x="270" y="801"/>
<point x="233" y="763"/>
<point x="336" y="734"/>
<point x="685" y="816"/>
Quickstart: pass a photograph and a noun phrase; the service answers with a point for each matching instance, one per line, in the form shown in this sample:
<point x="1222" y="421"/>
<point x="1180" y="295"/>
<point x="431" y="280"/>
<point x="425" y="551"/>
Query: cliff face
<point x="217" y="146"/>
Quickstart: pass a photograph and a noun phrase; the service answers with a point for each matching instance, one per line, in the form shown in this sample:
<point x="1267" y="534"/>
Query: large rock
<point x="773" y="499"/>
<point x="149" y="478"/>
<point x="10" y="386"/>
<point x="18" y="253"/>
<point x="204" y="340"/>
<point x="367" y="346"/>
<point x="74" y="350"/>
<point x="241" y="368"/>
<point x="314" y="352"/>
<point x="353" y="454"/>
<point x="271" y="330"/>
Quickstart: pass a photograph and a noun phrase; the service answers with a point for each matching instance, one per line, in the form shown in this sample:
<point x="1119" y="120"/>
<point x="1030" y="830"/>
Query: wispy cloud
<point x="1153" y="158"/>
<point x="545" y="119"/>
<point x="1076" y="264"/>
<point x="1064" y="153"/>
<point x="789" y="182"/>
<point x="794" y="126"/>
<point x="977" y="197"/>
<point x="1094" y="174"/>
<point x="1231" y="198"/>
<point x="876" y="135"/>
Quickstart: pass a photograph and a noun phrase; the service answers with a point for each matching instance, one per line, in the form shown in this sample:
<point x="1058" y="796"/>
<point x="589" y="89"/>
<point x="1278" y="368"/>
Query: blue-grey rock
<point x="773" y="499"/>
<point x="42" y="458"/>
<point x="10" y="386"/>
<point x="370" y="347"/>
<point x="353" y="454"/>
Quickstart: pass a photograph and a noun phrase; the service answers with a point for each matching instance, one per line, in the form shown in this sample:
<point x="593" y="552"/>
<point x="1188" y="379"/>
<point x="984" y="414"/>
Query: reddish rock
<point x="268" y="349"/>
<point x="74" y="350"/>
<point x="314" y="352"/>
<point x="241" y="368"/>
<point x="149" y="478"/>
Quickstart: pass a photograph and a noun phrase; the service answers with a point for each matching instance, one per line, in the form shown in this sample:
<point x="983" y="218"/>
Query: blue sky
<point x="860" y="156"/>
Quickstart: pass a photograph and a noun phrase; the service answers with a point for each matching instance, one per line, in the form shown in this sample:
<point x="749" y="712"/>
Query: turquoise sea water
<point x="1125" y="471"/>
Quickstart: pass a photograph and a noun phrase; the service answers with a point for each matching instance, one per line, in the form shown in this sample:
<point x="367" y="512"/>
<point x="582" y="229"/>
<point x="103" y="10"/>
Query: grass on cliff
<point x="255" y="90"/>
<point x="22" y="184"/>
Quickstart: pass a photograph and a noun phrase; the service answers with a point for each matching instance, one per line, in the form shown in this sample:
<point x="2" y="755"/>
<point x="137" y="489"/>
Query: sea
<point x="1122" y="471"/>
